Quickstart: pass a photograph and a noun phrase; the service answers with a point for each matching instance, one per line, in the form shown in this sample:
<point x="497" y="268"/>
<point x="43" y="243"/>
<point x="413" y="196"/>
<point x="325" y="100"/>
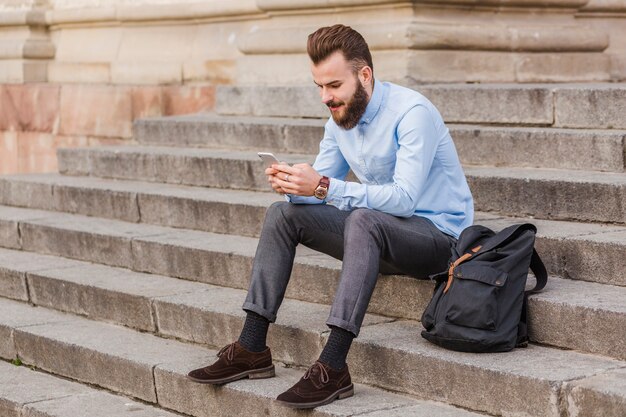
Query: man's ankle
<point x="254" y="333"/>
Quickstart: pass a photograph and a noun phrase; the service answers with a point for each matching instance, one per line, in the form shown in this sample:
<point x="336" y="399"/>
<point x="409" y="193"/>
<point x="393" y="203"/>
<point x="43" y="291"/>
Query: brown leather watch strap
<point x="324" y="182"/>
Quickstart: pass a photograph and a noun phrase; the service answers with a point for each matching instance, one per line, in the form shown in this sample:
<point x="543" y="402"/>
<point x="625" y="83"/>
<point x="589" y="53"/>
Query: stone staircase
<point x="128" y="268"/>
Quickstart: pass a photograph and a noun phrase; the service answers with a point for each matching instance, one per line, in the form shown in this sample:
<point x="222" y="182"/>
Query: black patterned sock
<point x="336" y="350"/>
<point x="254" y="332"/>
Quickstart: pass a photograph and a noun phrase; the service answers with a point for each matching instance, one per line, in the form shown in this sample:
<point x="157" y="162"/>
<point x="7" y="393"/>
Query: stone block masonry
<point x="37" y="119"/>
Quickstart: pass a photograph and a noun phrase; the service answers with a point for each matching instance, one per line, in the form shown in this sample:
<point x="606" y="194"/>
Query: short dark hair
<point x="325" y="41"/>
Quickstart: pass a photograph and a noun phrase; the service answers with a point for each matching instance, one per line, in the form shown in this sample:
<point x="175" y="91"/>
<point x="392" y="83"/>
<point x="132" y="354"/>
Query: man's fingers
<point x="288" y="186"/>
<point x="286" y="169"/>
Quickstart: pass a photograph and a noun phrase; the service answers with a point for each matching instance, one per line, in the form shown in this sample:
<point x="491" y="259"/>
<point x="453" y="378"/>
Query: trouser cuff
<point x="337" y="322"/>
<point x="247" y="306"/>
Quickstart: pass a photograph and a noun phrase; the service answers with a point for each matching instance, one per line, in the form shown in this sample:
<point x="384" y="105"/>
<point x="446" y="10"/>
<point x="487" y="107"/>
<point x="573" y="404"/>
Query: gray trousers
<point x="367" y="241"/>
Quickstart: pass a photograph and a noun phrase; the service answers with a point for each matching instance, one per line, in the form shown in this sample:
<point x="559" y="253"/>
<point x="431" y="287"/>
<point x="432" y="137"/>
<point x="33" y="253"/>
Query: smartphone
<point x="268" y="158"/>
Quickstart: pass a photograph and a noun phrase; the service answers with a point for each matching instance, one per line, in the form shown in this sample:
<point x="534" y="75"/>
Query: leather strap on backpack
<point x="456" y="263"/>
<point x="541" y="275"/>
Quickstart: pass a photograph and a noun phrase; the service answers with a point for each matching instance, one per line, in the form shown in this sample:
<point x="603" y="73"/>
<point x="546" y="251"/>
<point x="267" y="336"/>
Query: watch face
<point x="320" y="192"/>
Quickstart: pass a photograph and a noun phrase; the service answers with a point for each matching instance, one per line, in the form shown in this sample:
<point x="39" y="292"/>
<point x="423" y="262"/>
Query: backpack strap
<point x="456" y="263"/>
<point x="541" y="275"/>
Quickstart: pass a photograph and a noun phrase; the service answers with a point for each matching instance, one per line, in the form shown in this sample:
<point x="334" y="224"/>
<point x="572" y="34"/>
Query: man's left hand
<point x="299" y="179"/>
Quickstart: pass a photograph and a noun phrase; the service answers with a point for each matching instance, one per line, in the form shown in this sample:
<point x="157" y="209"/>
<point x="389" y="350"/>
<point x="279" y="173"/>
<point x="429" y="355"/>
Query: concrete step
<point x="386" y="355"/>
<point x="541" y="193"/>
<point x="25" y="392"/>
<point x="210" y="209"/>
<point x="559" y="316"/>
<point x="153" y="369"/>
<point x="201" y="167"/>
<point x="587" y="106"/>
<point x="590" y="252"/>
<point x="240" y="212"/>
<point x="597" y="150"/>
<point x="550" y="194"/>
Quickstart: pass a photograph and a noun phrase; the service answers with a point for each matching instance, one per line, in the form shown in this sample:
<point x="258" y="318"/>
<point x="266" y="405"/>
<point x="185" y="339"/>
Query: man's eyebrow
<point x="328" y="83"/>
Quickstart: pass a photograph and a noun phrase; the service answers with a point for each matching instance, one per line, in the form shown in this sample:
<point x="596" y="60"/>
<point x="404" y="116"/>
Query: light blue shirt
<point x="402" y="153"/>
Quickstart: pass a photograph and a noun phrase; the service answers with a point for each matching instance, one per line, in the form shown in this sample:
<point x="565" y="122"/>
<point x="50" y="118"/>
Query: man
<point x="403" y="217"/>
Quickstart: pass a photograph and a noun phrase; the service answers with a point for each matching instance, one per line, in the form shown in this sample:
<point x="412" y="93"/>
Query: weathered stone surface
<point x="74" y="161"/>
<point x="79" y="72"/>
<point x="563" y="67"/>
<point x="191" y="255"/>
<point x="36" y="152"/>
<point x="255" y="133"/>
<point x="93" y="404"/>
<point x="29" y="107"/>
<point x="581" y="251"/>
<point x="541" y="193"/>
<point x="603" y="395"/>
<point x="9" y="219"/>
<point x="593" y="106"/>
<point x="147" y="101"/>
<point x="8" y="152"/>
<point x="596" y="150"/>
<point x="104" y="293"/>
<point x="510" y="104"/>
<point x="105" y="355"/>
<point x="424" y="369"/>
<point x="96" y="111"/>
<point x="460" y="103"/>
<point x="511" y="191"/>
<point x="94" y="352"/>
<point x="148" y="73"/>
<point x="79" y="237"/>
<point x="227" y="261"/>
<point x="201" y="167"/>
<point x="256" y="397"/>
<point x="215" y="317"/>
<point x="17" y="190"/>
<point x="565" y="315"/>
<point x="20" y="386"/>
<point x="14" y="315"/>
<point x="13" y="268"/>
<point x="188" y="99"/>
<point x="270" y="101"/>
<point x="508" y="146"/>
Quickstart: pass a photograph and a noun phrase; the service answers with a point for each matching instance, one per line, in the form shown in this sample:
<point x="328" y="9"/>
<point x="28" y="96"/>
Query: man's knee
<point x="364" y="216"/>
<point x="280" y="211"/>
<point x="361" y="219"/>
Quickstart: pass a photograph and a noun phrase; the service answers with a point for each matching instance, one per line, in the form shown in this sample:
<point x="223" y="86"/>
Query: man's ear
<point x="365" y="75"/>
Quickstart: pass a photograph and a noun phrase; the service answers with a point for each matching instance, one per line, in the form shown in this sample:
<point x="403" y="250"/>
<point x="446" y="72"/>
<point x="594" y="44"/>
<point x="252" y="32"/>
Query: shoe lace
<point x="321" y="369"/>
<point x="228" y="350"/>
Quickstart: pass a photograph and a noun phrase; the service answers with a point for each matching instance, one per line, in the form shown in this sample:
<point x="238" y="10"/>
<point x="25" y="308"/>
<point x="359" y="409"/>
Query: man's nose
<point x="327" y="97"/>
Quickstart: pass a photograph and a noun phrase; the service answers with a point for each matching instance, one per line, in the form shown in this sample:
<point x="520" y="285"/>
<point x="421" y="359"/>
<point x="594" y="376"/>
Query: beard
<point x="353" y="109"/>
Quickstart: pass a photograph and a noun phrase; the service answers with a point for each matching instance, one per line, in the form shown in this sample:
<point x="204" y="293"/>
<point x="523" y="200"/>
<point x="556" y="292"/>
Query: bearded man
<point x="403" y="216"/>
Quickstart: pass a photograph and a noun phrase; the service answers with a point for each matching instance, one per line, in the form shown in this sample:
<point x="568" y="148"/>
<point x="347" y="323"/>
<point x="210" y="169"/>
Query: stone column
<point x="25" y="46"/>
<point x="609" y="16"/>
<point x="434" y="41"/>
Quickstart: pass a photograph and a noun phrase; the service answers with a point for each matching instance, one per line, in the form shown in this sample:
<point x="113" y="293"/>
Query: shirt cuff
<point x="336" y="191"/>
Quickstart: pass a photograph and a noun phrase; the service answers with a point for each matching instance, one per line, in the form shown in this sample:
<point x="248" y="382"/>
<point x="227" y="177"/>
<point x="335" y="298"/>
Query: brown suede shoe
<point x="320" y="385"/>
<point x="235" y="363"/>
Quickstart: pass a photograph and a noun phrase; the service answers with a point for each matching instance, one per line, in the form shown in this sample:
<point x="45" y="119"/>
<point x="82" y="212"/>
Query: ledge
<point x="23" y="18"/>
<point x="185" y="11"/>
<point x="605" y="6"/>
<point x="429" y="35"/>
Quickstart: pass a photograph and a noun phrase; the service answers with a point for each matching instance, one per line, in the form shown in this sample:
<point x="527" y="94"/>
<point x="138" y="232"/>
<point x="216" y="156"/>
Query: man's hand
<point x="300" y="179"/>
<point x="272" y="173"/>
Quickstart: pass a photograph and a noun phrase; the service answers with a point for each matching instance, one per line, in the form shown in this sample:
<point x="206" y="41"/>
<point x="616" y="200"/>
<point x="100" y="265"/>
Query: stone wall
<point x="37" y="118"/>
<point x="78" y="72"/>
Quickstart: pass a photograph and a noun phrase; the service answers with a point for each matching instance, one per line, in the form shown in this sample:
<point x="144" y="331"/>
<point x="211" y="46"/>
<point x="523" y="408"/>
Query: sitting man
<point x="402" y="218"/>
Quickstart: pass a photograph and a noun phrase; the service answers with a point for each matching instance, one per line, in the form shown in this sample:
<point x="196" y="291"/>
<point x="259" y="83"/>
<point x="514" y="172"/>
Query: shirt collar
<point x="374" y="104"/>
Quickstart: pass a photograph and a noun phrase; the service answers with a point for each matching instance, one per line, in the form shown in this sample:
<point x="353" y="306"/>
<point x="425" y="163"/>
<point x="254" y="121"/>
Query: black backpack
<point x="479" y="303"/>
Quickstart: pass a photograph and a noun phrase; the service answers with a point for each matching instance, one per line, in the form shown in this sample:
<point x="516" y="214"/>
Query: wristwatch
<point x="322" y="188"/>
